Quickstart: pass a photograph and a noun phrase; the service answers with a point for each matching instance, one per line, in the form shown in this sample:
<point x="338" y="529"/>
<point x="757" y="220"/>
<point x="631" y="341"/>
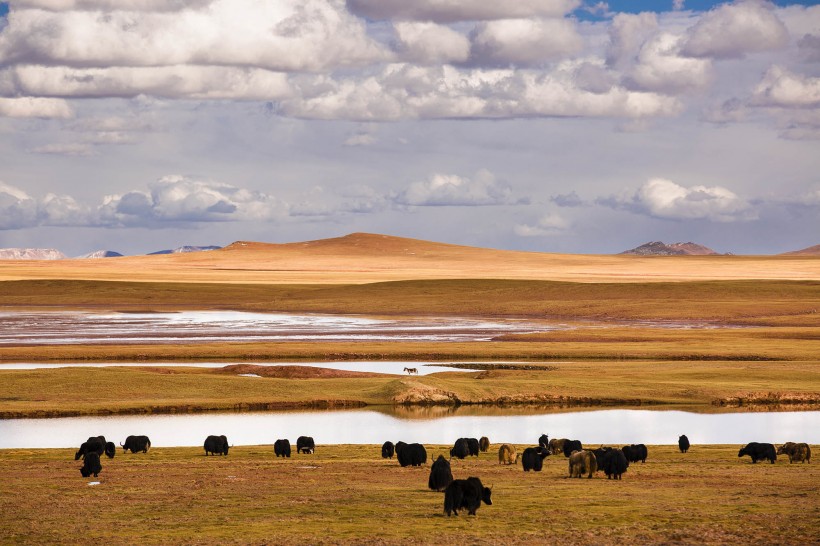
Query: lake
<point x="368" y="426"/>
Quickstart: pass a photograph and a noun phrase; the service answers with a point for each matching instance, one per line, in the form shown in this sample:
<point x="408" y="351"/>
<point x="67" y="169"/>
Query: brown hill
<point x="365" y="258"/>
<point x="811" y="251"/>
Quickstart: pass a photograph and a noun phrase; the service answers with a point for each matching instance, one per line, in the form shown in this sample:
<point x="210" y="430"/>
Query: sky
<point x="542" y="125"/>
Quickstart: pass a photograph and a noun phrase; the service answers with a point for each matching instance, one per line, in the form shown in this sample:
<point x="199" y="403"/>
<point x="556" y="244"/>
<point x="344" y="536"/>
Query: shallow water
<point x="66" y="327"/>
<point x="611" y="426"/>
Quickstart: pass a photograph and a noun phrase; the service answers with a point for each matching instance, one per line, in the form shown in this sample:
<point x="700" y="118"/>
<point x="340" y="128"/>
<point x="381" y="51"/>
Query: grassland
<point x="348" y="494"/>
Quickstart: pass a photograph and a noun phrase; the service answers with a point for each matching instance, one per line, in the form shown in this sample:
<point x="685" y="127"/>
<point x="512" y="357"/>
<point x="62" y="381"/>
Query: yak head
<point x="85" y="472"/>
<point x="486" y="495"/>
<point x="743" y="451"/>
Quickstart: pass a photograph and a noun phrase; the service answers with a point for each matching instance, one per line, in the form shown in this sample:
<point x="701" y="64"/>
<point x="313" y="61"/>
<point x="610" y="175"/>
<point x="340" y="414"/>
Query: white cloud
<point x="68" y="148"/>
<point x="429" y="43"/>
<point x="660" y="67"/>
<point x="678" y="5"/>
<point x="360" y="139"/>
<point x="663" y="198"/>
<point x="122" y="5"/>
<point x="34" y="107"/>
<point x="17" y="209"/>
<point x="453" y="190"/>
<point x="449" y="11"/>
<point x="523" y="42"/>
<point x="730" y="31"/>
<point x="548" y="224"/>
<point x="626" y="35"/>
<point x="782" y="88"/>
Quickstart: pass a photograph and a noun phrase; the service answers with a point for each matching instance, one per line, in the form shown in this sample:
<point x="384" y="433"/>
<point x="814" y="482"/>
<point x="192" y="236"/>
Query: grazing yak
<point x="572" y="445"/>
<point x="613" y="462"/>
<point x="758" y="452"/>
<point x="305" y="444"/>
<point x="797" y="452"/>
<point x="507" y="454"/>
<point x="282" y="448"/>
<point x="544" y="441"/>
<point x="216" y="445"/>
<point x="484" y="444"/>
<point x="460" y="449"/>
<point x="136" y="443"/>
<point x="533" y="458"/>
<point x="467" y="494"/>
<point x="411" y="454"/>
<point x="635" y="453"/>
<point x="91" y="465"/>
<point x="94" y="444"/>
<point x="440" y="474"/>
<point x="683" y="443"/>
<point x="582" y="462"/>
<point x="472" y="447"/>
<point x="110" y="450"/>
<point x="388" y="449"/>
<point x="556" y="445"/>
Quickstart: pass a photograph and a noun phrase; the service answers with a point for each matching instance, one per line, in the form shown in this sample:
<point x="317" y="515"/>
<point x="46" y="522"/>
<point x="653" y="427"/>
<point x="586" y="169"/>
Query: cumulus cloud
<point x="19" y="210"/>
<point x="483" y="189"/>
<point x="449" y="11"/>
<point x="127" y="5"/>
<point x="660" y="67"/>
<point x="661" y="198"/>
<point x="809" y="47"/>
<point x="428" y="43"/>
<point x="784" y="89"/>
<point x="626" y="35"/>
<point x="34" y="107"/>
<point x="730" y="31"/>
<point x="548" y="224"/>
<point x="523" y="42"/>
<point x="570" y="199"/>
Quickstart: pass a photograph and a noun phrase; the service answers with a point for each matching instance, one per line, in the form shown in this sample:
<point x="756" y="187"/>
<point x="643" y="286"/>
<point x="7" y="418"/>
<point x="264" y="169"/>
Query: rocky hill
<point x="185" y="249"/>
<point x="31" y="254"/>
<point x="811" y="251"/>
<point x="101" y="254"/>
<point x="658" y="248"/>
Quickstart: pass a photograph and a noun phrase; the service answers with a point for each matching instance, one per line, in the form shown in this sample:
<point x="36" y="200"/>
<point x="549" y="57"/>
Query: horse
<point x="411" y="371"/>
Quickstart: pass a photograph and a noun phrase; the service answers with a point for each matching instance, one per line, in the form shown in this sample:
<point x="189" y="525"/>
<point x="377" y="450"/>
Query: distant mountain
<point x="101" y="254"/>
<point x="184" y="249"/>
<point x="811" y="251"/>
<point x="31" y="254"/>
<point x="658" y="248"/>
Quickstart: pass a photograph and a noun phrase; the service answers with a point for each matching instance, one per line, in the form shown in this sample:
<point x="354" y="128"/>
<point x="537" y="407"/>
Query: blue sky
<point x="512" y="125"/>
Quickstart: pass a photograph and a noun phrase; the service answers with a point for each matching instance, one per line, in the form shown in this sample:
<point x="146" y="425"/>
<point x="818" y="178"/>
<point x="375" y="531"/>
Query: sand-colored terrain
<point x="368" y="258"/>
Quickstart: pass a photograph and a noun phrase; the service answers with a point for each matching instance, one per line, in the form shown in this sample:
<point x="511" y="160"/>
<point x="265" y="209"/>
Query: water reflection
<point x="611" y="426"/>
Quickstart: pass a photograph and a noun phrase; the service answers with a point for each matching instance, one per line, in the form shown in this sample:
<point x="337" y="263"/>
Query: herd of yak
<point x="470" y="493"/>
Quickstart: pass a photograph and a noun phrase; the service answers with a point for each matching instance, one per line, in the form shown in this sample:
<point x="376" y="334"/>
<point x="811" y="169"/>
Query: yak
<point x="467" y="494"/>
<point x="507" y="454"/>
<point x="544" y="441"/>
<point x="557" y="445"/>
<point x="95" y="444"/>
<point x="533" y="458"/>
<point x="484" y="444"/>
<point x="216" y="445"/>
<point x="91" y="465"/>
<point x="599" y="455"/>
<point x="110" y="450"/>
<point x="136" y="443"/>
<point x="473" y="447"/>
<point x="388" y="449"/>
<point x="635" y="453"/>
<point x="305" y="444"/>
<point x="758" y="452"/>
<point x="460" y="449"/>
<point x="440" y="474"/>
<point x="582" y="462"/>
<point x="683" y="443"/>
<point x="572" y="445"/>
<point x="797" y="452"/>
<point x="281" y="448"/>
<point x="613" y="462"/>
<point x="411" y="454"/>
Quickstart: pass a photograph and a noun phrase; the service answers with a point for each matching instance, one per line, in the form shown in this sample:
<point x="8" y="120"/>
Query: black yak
<point x="533" y="458"/>
<point x="91" y="465"/>
<point x="582" y="462"/>
<point x="466" y="494"/>
<point x="460" y="449"/>
<point x="683" y="443"/>
<point x="613" y="462"/>
<point x="216" y="445"/>
<point x="305" y="444"/>
<point x="136" y="443"/>
<point x="95" y="444"/>
<point x="411" y="454"/>
<point x="635" y="453"/>
<point x="797" y="452"/>
<point x="484" y="444"/>
<point x="388" y="449"/>
<point x="572" y="445"/>
<point x="440" y="474"/>
<point x="473" y="447"/>
<point x="110" y="449"/>
<point x="281" y="448"/>
<point x="758" y="452"/>
<point x="544" y="441"/>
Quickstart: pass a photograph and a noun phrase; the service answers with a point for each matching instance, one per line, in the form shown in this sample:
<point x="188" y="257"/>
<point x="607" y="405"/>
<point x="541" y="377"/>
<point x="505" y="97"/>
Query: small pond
<point x="610" y="426"/>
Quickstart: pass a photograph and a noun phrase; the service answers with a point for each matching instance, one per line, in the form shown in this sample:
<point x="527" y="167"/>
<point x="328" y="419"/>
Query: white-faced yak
<point x="467" y="494"/>
<point x="305" y="444"/>
<point x="440" y="474"/>
<point x="758" y="452"/>
<point x="544" y="441"/>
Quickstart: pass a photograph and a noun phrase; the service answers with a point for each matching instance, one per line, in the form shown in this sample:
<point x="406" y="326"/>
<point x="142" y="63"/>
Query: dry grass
<point x="347" y="494"/>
